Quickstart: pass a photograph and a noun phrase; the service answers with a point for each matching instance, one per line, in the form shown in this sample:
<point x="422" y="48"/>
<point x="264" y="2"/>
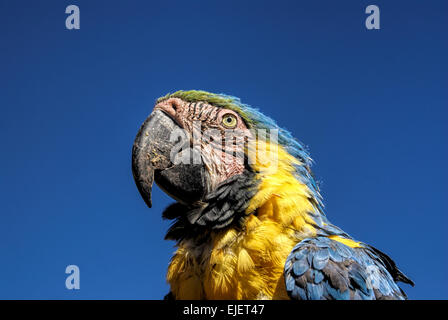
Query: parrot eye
<point x="229" y="121"/>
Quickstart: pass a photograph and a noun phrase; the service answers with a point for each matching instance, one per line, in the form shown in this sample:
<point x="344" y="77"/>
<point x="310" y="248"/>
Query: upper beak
<point x="153" y="156"/>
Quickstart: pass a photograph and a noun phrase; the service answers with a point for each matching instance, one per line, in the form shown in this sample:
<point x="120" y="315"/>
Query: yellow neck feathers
<point x="248" y="263"/>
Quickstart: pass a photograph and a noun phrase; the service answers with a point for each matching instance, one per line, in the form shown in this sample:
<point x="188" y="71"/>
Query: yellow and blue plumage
<point x="261" y="233"/>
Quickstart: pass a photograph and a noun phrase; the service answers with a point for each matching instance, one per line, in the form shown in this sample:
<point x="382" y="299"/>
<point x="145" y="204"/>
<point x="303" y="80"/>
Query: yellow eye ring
<point x="229" y="121"/>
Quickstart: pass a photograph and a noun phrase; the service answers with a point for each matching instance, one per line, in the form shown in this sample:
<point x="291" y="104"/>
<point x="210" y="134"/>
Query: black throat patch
<point x="224" y="206"/>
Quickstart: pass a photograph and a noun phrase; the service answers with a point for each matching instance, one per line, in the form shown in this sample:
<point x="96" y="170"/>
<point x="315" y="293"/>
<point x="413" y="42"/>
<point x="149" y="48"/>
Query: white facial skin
<point x="219" y="135"/>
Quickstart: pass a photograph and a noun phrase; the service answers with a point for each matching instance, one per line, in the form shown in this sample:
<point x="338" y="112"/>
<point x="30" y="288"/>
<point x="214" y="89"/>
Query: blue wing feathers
<point x="321" y="268"/>
<point x="320" y="259"/>
<point x="317" y="276"/>
<point x="300" y="267"/>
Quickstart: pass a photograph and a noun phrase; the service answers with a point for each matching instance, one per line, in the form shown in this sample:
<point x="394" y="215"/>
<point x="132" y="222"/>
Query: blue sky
<point x="371" y="106"/>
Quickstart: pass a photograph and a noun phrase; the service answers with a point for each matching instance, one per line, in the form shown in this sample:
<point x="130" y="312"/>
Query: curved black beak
<point x="153" y="158"/>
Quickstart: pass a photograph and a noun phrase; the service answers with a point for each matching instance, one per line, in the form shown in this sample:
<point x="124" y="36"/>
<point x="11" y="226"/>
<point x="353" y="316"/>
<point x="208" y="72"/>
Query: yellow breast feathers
<point x="248" y="264"/>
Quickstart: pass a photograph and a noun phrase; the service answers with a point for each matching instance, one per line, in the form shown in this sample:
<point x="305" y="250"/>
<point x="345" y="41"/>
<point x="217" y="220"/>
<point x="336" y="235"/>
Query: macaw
<point x="248" y="220"/>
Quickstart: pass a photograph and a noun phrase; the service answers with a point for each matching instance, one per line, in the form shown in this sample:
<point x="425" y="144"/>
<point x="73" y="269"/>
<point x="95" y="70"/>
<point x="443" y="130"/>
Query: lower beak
<point x="153" y="157"/>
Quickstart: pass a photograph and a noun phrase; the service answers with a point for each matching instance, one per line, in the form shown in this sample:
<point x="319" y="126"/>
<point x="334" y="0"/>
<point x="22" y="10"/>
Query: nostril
<point x="174" y="106"/>
<point x="170" y="107"/>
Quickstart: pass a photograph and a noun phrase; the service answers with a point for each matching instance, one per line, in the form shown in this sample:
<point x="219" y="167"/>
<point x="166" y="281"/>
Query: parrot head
<point x="203" y="150"/>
